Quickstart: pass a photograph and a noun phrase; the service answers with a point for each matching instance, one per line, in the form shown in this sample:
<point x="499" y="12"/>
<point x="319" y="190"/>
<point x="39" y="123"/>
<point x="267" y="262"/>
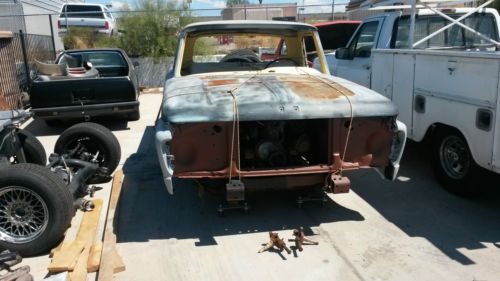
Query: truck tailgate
<point x="73" y="92"/>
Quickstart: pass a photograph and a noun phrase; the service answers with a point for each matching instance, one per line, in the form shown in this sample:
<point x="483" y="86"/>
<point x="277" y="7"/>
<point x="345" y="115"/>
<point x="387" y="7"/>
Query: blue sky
<point x="209" y="4"/>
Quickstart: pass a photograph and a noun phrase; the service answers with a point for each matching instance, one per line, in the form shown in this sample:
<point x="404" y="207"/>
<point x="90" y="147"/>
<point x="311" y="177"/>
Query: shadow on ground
<point x="39" y="128"/>
<point x="415" y="203"/>
<point x="148" y="212"/>
<point x="418" y="205"/>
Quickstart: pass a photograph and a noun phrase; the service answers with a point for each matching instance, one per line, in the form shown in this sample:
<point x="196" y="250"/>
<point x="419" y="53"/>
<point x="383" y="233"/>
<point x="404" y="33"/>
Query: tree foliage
<point x="153" y="31"/>
<point x="236" y="2"/>
<point x="150" y="30"/>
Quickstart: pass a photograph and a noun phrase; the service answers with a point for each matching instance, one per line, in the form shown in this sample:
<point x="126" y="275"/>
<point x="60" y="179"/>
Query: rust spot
<point x="222" y="82"/>
<point x="316" y="89"/>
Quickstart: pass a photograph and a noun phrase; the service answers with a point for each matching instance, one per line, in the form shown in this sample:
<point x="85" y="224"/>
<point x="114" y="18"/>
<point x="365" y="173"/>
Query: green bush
<point x="151" y="30"/>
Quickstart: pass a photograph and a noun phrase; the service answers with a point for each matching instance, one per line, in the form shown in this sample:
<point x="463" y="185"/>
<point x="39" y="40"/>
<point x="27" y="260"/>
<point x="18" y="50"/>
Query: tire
<point x="134" y="116"/>
<point x="33" y="148"/>
<point x="93" y="138"/>
<point x="453" y="164"/>
<point x="43" y="190"/>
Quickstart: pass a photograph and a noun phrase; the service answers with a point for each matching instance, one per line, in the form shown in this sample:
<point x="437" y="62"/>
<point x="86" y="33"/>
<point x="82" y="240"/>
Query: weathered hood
<point x="274" y="94"/>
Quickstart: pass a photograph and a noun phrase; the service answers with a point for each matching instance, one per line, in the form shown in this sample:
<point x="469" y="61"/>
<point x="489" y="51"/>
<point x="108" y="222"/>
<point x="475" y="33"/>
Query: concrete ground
<point x="409" y="229"/>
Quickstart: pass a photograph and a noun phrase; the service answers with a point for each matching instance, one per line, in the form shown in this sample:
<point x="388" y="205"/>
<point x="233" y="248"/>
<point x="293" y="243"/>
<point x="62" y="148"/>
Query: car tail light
<point x="106" y="25"/>
<point x="59" y="24"/>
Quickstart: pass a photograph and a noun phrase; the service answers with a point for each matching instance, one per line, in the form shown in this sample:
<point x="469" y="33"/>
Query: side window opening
<point x="365" y="39"/>
<point x="311" y="51"/>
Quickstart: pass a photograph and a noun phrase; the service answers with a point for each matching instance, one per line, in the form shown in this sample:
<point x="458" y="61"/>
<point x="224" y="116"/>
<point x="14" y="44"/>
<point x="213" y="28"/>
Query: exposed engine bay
<point x="271" y="144"/>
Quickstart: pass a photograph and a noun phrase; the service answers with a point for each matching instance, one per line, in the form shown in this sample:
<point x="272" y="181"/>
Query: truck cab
<point x="390" y="31"/>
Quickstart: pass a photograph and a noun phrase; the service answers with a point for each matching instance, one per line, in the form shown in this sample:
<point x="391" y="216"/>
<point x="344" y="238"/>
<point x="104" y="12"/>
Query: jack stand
<point x="235" y="198"/>
<point x="275" y="241"/>
<point x="312" y="197"/>
<point x="301" y="239"/>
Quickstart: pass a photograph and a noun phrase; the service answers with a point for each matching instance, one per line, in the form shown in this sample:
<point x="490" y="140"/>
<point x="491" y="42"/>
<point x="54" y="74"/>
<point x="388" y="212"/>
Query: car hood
<point x="281" y="93"/>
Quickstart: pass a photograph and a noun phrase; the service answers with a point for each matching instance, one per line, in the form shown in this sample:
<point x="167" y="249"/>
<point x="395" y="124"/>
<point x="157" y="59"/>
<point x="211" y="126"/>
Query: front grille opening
<point x="283" y="144"/>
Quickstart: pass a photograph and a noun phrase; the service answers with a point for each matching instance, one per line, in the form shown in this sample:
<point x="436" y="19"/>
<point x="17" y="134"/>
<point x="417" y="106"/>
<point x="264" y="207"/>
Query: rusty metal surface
<point x="201" y="150"/>
<point x="10" y="94"/>
<point x="281" y="93"/>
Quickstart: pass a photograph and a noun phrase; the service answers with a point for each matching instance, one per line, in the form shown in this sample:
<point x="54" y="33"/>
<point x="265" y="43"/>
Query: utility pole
<point x="333" y="10"/>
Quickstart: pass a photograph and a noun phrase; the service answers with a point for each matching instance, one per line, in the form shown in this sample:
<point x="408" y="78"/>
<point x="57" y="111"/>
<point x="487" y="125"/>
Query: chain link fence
<point x="37" y="48"/>
<point x="18" y="53"/>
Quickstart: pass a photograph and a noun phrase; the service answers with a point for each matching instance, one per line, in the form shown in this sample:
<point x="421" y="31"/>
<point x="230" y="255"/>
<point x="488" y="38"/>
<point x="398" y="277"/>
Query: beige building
<point x="284" y="11"/>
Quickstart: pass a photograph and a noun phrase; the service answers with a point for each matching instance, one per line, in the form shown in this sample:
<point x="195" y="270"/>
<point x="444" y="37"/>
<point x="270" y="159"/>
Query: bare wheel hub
<point x="23" y="215"/>
<point x="454" y="157"/>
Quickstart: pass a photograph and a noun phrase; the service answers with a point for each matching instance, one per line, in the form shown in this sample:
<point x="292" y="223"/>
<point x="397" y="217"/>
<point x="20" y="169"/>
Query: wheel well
<point x="434" y="128"/>
<point x="437" y="127"/>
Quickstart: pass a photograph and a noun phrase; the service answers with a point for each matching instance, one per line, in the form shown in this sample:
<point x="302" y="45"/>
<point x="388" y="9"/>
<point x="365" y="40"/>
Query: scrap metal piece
<point x="9" y="259"/>
<point x="301" y="239"/>
<point x="340" y="184"/>
<point x="19" y="274"/>
<point x="275" y="241"/>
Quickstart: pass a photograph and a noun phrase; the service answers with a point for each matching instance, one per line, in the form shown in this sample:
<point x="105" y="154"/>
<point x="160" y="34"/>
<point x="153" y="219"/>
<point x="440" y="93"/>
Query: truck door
<point x="357" y="67"/>
<point x="496" y="142"/>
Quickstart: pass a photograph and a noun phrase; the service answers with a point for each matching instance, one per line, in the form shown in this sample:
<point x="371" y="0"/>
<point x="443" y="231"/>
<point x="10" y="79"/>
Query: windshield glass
<point x="241" y="51"/>
<point x="82" y="11"/>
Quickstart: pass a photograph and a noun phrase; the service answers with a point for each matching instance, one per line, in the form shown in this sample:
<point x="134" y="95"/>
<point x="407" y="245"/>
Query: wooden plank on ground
<point x="107" y="266"/>
<point x="94" y="257"/>
<point x="65" y="260"/>
<point x="119" y="266"/>
<point x="63" y="245"/>
<point x="86" y="235"/>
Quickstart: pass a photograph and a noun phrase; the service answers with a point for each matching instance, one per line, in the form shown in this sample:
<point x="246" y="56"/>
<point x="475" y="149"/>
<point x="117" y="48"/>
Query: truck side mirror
<point x="342" y="54"/>
<point x="135" y="64"/>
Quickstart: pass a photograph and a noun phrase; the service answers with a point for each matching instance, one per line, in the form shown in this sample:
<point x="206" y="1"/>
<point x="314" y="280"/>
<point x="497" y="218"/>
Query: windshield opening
<point x="240" y="52"/>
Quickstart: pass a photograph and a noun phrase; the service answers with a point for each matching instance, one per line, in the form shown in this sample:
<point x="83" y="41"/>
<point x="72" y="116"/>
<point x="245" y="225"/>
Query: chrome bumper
<point x="397" y="149"/>
<point x="163" y="136"/>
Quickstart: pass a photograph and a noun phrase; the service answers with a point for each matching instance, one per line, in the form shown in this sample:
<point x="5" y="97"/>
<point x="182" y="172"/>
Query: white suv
<point x="95" y="16"/>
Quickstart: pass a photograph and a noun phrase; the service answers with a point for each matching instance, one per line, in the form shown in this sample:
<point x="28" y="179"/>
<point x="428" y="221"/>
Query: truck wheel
<point x="453" y="164"/>
<point x="94" y="139"/>
<point x="134" y="116"/>
<point x="36" y="208"/>
<point x="33" y="148"/>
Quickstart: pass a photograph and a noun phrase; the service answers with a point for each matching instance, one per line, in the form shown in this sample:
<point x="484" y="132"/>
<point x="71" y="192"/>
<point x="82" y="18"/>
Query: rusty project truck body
<point x="269" y="124"/>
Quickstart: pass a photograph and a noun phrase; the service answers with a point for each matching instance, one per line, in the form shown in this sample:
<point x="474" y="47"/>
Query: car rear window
<point x="99" y="59"/>
<point x="82" y="11"/>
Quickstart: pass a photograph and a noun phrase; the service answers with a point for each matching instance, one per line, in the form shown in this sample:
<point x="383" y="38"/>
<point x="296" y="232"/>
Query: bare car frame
<point x="273" y="124"/>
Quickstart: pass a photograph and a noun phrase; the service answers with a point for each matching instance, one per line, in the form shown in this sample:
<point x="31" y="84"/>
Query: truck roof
<point x="247" y="25"/>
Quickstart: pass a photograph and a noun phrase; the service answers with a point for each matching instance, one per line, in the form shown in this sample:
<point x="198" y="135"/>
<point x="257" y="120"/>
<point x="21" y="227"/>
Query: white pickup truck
<point x="446" y="88"/>
<point x="95" y="16"/>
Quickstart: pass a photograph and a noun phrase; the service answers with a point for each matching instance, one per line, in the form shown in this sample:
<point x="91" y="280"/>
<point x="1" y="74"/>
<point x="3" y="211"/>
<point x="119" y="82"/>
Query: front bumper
<point x="397" y="149"/>
<point x="163" y="136"/>
<point x="86" y="111"/>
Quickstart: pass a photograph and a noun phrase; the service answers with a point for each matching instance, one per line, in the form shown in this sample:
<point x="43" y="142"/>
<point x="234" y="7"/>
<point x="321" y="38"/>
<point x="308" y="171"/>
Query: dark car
<point x="83" y="84"/>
